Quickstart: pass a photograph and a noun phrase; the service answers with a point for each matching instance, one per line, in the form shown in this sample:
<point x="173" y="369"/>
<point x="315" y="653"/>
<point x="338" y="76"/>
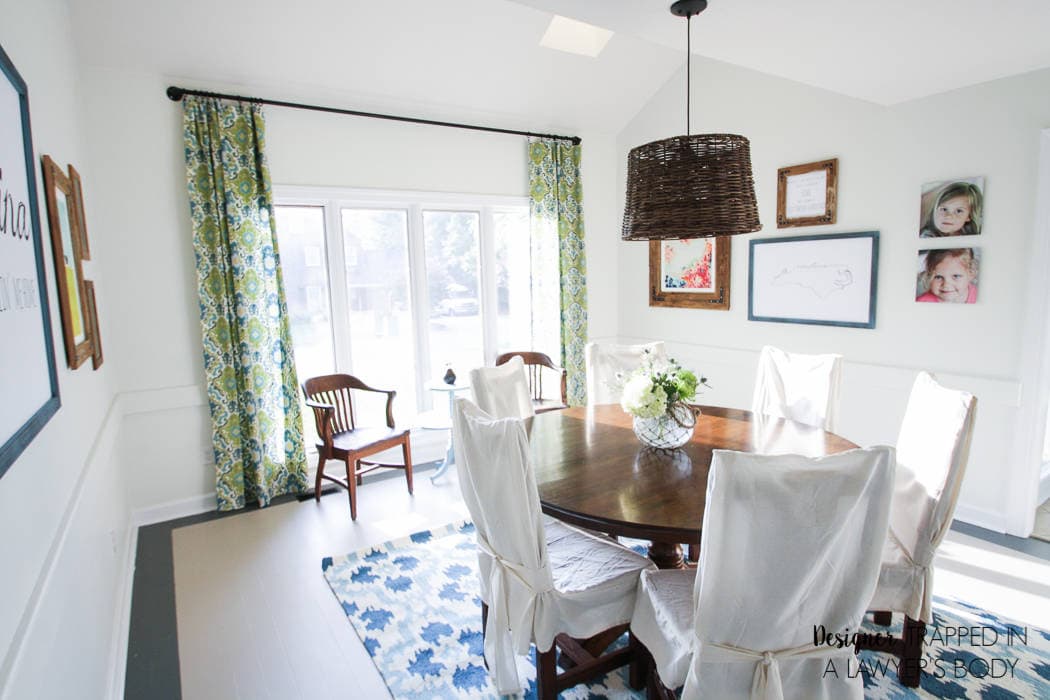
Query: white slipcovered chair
<point x="604" y="362"/>
<point x="542" y="581"/>
<point x="789" y="543"/>
<point x="503" y="391"/>
<point x="932" y="452"/>
<point x="803" y="388"/>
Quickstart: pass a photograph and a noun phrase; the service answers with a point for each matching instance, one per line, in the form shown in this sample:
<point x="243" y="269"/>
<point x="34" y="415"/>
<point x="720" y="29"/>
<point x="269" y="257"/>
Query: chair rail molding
<point x="873" y="399"/>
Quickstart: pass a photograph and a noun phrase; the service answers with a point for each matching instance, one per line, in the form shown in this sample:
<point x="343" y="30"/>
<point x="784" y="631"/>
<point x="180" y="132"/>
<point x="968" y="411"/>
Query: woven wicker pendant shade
<point x="690" y="187"/>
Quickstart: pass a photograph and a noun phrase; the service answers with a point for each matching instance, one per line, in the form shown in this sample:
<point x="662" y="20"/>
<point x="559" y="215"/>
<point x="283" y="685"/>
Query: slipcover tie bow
<point x="502" y="638"/>
<point x="766" y="683"/>
<point x="926" y="605"/>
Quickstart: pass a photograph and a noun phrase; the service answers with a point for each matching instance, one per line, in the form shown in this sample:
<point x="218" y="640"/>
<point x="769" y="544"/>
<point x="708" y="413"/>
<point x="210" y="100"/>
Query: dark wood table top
<point x="592" y="471"/>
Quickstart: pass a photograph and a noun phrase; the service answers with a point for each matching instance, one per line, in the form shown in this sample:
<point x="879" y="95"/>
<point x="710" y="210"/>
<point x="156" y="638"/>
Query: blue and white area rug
<point x="414" y="604"/>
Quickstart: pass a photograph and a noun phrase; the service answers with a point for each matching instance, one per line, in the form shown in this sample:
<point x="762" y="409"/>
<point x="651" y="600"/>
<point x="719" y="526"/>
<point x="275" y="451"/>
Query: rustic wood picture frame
<point x="96" y="337"/>
<point x="717" y="298"/>
<point x="829" y="169"/>
<point x="78" y="205"/>
<point x="65" y="248"/>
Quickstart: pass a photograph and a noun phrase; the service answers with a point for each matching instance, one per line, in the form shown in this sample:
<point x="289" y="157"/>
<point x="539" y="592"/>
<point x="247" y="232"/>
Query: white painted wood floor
<point x="257" y="620"/>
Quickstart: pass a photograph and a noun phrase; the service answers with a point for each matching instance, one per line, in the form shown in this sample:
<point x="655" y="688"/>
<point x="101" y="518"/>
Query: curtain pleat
<point x="257" y="434"/>
<point x="556" y="195"/>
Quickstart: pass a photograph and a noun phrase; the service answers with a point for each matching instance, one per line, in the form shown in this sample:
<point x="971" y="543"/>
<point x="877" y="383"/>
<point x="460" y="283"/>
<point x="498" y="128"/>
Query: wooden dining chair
<point x="536" y="365"/>
<point x="802" y="388"/>
<point x="932" y="451"/>
<point x="779" y="556"/>
<point x="541" y="581"/>
<point x="608" y="365"/>
<point x="503" y="391"/>
<point x="332" y="401"/>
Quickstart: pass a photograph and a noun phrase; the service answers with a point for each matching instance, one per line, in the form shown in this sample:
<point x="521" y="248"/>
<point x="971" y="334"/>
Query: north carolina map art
<point x="820" y="278"/>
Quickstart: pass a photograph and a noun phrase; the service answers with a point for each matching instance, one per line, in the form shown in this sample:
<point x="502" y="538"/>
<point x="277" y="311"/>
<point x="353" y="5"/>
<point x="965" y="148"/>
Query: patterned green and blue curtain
<point x="556" y="195"/>
<point x="248" y="362"/>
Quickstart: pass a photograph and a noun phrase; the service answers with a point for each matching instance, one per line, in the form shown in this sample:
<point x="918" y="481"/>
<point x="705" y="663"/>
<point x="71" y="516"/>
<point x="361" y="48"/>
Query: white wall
<point x="885" y="154"/>
<point x="142" y="201"/>
<point x="63" y="507"/>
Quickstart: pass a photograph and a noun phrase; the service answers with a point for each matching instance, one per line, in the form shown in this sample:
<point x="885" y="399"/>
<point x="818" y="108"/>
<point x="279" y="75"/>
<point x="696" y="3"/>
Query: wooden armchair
<point x="535" y="364"/>
<point x="332" y="402"/>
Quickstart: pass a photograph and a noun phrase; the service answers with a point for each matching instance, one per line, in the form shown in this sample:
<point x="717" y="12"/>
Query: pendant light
<point x="692" y="186"/>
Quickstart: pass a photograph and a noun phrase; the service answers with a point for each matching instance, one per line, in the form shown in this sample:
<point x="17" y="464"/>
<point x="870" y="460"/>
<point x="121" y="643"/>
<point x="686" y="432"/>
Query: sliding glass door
<point x="379" y="304"/>
<point x="396" y="287"/>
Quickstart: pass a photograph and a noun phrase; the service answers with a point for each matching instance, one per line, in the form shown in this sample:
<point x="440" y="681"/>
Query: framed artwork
<point x="78" y="205"/>
<point x="65" y="246"/>
<point x="806" y="194"/>
<point x="28" y="376"/>
<point x="951" y="208"/>
<point x="948" y="275"/>
<point x="691" y="273"/>
<point x="96" y="337"/>
<point x="825" y="280"/>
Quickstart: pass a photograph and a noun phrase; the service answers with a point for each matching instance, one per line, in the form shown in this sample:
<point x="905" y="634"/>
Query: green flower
<point x="685" y="384"/>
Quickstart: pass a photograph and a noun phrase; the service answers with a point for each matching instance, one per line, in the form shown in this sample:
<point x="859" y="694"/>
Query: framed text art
<point x="806" y="194"/>
<point x="691" y="273"/>
<point x="824" y="280"/>
<point x="28" y="378"/>
<point x="63" y="219"/>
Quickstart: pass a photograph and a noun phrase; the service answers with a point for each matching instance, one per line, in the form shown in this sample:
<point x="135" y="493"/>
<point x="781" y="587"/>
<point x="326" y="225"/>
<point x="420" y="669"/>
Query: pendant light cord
<point x="688" y="68"/>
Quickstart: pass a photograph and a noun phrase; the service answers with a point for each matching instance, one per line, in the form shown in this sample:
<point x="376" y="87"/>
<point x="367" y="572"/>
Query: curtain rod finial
<point x="175" y="94"/>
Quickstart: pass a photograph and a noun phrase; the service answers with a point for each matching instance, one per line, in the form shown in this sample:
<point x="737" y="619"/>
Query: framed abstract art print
<point x="691" y="273"/>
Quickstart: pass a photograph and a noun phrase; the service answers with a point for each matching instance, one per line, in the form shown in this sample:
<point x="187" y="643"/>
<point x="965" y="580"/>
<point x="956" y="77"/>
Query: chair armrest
<point x="323" y="419"/>
<point x="358" y="384"/>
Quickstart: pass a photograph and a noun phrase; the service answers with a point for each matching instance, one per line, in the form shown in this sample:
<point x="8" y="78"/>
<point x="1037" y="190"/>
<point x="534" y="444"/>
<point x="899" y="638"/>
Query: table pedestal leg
<point x="666" y="555"/>
<point x="450" y="455"/>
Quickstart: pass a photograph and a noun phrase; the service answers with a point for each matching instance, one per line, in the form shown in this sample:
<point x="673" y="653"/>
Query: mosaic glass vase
<point x="668" y="430"/>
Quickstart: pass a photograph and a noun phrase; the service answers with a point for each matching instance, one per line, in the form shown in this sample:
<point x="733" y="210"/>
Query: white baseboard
<point x="1044" y="487"/>
<point x="981" y="518"/>
<point x="119" y="646"/>
<point x="181" y="508"/>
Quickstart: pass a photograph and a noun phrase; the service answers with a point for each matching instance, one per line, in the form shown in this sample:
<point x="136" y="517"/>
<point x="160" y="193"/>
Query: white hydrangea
<point x="641" y="398"/>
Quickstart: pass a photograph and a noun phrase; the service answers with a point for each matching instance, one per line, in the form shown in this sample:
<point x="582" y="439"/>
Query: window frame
<point x="333" y="200"/>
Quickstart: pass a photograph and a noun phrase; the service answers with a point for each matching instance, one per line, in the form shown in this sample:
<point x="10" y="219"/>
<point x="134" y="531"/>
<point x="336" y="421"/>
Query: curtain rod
<point x="177" y="93"/>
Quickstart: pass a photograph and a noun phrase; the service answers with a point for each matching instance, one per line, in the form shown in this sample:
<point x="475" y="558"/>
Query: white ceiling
<point x="481" y="60"/>
<point x="884" y="51"/>
<point x="477" y="60"/>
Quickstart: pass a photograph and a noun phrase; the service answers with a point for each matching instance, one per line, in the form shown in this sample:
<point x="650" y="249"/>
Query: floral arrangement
<point x="656" y="387"/>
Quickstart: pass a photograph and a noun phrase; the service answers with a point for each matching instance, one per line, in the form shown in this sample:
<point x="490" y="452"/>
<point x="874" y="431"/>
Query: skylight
<point x="569" y="35"/>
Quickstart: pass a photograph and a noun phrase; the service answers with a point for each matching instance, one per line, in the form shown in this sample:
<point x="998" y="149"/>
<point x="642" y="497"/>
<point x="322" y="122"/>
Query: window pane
<point x="300" y="238"/>
<point x="375" y="243"/>
<point x="300" y="235"/>
<point x="451" y="242"/>
<point x="513" y="280"/>
<point x="546" y="292"/>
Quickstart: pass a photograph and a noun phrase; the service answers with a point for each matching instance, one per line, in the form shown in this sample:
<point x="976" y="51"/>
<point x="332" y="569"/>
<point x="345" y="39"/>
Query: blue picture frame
<point x="823" y="280"/>
<point x="18" y="209"/>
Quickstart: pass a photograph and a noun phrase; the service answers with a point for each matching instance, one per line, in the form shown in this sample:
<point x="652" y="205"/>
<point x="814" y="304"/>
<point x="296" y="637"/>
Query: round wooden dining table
<point x="592" y="471"/>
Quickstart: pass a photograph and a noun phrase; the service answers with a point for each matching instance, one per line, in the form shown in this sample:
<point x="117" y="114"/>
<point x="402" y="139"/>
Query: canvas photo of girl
<point x="948" y="275"/>
<point x="951" y="208"/>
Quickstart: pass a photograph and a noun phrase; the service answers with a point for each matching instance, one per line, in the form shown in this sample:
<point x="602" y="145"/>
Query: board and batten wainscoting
<point x="873" y="399"/>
